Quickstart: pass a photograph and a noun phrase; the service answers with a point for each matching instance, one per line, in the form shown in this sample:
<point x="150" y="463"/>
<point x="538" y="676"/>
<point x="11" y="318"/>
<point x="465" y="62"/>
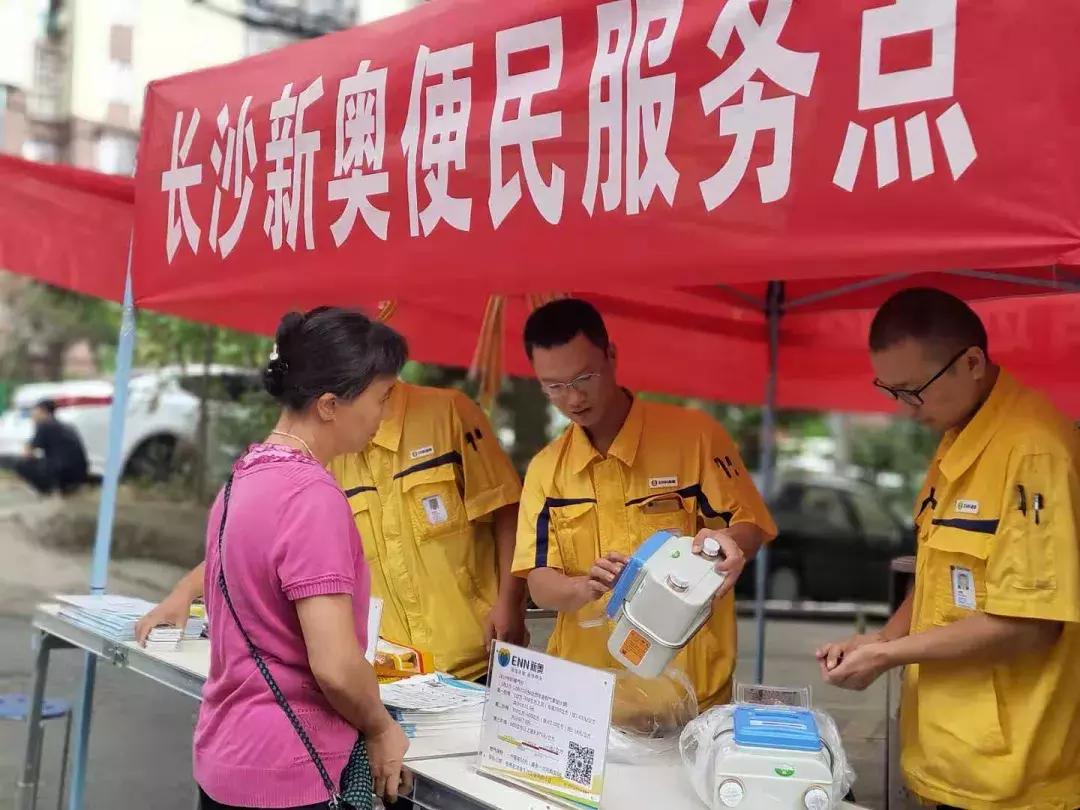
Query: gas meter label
<point x="634" y="647"/>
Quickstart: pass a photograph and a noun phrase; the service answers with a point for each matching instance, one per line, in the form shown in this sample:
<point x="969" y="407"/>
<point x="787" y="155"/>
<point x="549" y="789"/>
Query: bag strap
<point x="264" y="670"/>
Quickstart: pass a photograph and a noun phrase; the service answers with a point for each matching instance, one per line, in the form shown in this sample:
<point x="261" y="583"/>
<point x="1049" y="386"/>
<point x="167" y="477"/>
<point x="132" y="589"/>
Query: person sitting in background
<point x="55" y="458"/>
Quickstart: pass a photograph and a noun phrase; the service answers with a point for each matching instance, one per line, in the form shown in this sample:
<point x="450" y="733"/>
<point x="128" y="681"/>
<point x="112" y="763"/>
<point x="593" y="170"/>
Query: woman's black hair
<point x="330" y="350"/>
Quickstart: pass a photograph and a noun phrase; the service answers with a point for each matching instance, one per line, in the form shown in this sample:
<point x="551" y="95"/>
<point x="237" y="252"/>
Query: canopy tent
<point x="667" y="337"/>
<point x="612" y="145"/>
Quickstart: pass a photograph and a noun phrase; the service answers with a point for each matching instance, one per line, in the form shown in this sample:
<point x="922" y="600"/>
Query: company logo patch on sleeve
<point x="422" y="452"/>
<point x="663" y="482"/>
<point x="967" y="507"/>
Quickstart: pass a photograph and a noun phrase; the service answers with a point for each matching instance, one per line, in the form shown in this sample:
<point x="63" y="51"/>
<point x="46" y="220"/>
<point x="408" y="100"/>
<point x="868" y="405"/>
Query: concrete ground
<point x="140" y="752"/>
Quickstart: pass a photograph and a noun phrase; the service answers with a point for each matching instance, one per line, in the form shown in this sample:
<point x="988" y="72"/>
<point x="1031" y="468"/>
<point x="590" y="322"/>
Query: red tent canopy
<point x="70" y="228"/>
<point x="67" y="227"/>
<point x="664" y="160"/>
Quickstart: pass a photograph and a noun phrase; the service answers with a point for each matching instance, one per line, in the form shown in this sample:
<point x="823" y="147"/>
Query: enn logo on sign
<point x="527" y="665"/>
<point x="661" y="483"/>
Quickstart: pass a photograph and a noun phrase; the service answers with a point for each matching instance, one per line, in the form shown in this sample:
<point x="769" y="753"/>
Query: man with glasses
<point x="625" y="469"/>
<point x="990" y="635"/>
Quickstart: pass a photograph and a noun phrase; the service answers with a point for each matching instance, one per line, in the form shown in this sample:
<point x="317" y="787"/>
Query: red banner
<point x="537" y="145"/>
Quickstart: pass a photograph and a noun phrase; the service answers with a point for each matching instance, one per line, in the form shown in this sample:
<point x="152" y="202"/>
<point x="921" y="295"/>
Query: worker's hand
<point x="859" y="668"/>
<point x="386" y="750"/>
<point x="605" y="571"/>
<point x="831" y="654"/>
<point x="732" y="561"/>
<point x="173" y="612"/>
<point x="506" y="622"/>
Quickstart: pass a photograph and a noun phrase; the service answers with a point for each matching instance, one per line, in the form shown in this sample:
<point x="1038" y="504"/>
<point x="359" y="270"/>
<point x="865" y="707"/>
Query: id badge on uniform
<point x="435" y="510"/>
<point x="963" y="588"/>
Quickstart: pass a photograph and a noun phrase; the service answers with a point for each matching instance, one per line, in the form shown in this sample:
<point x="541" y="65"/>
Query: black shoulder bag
<point x="357" y="784"/>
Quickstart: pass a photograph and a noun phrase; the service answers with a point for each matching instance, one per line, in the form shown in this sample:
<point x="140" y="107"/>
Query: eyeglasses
<point x="580" y="384"/>
<point x="913" y="396"/>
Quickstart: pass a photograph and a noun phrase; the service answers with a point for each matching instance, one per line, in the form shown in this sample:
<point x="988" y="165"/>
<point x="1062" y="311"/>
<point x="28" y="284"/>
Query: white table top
<point x="448" y="761"/>
<point x="661" y="783"/>
<point x="186" y="669"/>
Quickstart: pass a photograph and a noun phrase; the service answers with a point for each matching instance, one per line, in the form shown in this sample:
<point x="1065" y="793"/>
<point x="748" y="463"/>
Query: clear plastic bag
<point x="649" y="714"/>
<point x="707" y="739"/>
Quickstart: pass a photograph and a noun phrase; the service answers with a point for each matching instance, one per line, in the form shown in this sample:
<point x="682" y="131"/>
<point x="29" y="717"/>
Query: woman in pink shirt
<point x="291" y="715"/>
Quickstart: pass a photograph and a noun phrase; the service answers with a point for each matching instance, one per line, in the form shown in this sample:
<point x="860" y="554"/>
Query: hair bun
<point x="277" y="366"/>
<point x="274" y="376"/>
<point x="290" y="324"/>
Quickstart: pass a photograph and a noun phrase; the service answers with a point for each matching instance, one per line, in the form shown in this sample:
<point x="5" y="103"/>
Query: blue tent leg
<point x="768" y="466"/>
<point x="99" y="567"/>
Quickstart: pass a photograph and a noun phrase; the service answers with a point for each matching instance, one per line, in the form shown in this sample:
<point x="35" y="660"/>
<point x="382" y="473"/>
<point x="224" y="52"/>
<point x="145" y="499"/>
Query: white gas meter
<point x="662" y="598"/>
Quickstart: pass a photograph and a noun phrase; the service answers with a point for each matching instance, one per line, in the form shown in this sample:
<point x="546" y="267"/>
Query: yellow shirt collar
<point x="624" y="448"/>
<point x="966" y="444"/>
<point x="389" y="432"/>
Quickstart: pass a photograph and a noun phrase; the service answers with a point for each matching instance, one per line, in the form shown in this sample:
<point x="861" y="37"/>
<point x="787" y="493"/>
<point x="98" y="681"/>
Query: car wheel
<point x="152" y="460"/>
<point x="784" y="585"/>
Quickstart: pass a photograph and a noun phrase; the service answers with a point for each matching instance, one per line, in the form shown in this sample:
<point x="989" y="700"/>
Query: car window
<point x="220" y="387"/>
<point x="877" y="524"/>
<point x="823" y="512"/>
<point x="786" y="507"/>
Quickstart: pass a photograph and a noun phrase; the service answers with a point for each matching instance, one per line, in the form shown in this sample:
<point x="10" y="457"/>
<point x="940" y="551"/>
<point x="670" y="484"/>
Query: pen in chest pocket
<point x="1022" y="499"/>
<point x="1037" y="506"/>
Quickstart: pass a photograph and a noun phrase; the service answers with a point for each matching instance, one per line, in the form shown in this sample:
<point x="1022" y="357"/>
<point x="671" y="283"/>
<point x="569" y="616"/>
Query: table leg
<point x="27" y="787"/>
<point x="85" y="708"/>
<point x="64" y="763"/>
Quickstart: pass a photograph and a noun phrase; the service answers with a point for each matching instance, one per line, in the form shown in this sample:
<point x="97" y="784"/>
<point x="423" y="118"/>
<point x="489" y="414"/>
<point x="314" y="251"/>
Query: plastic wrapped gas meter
<point x="768" y="755"/>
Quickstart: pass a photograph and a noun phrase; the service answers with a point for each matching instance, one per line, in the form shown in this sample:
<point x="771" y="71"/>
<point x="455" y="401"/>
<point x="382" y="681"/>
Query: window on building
<point x="116" y="153"/>
<point x="121" y="83"/>
<point x="41" y="151"/>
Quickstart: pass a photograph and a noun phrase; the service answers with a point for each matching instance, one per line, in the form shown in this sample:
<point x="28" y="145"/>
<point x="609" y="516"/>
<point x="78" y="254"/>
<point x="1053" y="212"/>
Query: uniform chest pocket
<point x="668" y="512"/>
<point x="577" y="534"/>
<point x="434" y="503"/>
<point x="956" y="567"/>
<point x="362" y="517"/>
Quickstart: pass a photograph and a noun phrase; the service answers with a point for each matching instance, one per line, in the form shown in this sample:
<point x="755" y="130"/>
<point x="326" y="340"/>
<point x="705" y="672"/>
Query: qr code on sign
<point x="579" y="764"/>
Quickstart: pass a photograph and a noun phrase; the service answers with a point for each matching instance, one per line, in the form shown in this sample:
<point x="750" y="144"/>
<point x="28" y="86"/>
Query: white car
<point x="162" y="413"/>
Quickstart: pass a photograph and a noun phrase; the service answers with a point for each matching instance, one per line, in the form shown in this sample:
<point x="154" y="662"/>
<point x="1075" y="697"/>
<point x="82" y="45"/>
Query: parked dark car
<point x="836" y="540"/>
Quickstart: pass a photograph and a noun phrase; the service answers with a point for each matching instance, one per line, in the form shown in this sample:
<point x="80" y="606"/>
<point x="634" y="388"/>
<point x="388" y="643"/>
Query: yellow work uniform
<point x="999" y="533"/>
<point x="423" y="494"/>
<point x="668" y="468"/>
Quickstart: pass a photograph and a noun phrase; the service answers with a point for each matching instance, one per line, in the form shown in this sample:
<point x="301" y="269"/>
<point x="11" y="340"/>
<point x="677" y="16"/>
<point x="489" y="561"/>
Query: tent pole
<point x="1064" y="282"/>
<point x="843" y="289"/>
<point x="99" y="566"/>
<point x="768" y="464"/>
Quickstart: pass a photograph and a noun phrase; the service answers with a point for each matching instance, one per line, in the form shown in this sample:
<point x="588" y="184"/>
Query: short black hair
<point x="330" y="350"/>
<point x="560" y="321"/>
<point x="933" y="317"/>
<point x="47" y="405"/>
